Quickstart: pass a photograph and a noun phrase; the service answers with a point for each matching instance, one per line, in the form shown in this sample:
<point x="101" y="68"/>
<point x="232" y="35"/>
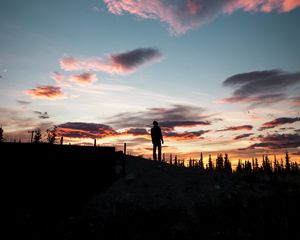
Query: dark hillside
<point x="153" y="201"/>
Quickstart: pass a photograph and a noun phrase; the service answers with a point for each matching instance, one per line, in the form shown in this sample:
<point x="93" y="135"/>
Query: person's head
<point x="155" y="123"/>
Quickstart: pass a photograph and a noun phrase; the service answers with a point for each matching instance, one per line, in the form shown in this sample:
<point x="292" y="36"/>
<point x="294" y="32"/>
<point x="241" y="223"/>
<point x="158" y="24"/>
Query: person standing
<point x="157" y="140"/>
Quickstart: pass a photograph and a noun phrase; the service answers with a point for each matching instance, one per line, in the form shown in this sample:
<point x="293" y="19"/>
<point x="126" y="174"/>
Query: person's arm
<point x="152" y="135"/>
<point x="161" y="137"/>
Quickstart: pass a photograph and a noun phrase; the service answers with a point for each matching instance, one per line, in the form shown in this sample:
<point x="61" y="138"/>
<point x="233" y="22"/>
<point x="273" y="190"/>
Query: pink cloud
<point x="182" y="16"/>
<point x="58" y="77"/>
<point x="46" y="92"/>
<point x="236" y="128"/>
<point x="70" y="63"/>
<point x="289" y="5"/>
<point x="84" y="79"/>
<point x="120" y="63"/>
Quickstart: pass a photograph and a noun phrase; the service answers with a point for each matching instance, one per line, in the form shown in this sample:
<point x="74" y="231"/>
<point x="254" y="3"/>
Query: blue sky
<point x="188" y="68"/>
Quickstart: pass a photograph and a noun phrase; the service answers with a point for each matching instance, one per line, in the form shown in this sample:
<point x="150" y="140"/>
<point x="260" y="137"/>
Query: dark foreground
<point x="159" y="201"/>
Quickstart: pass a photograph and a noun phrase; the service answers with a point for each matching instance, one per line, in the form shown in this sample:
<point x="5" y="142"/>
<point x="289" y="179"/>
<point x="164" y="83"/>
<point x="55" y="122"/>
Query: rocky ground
<point x="165" y="202"/>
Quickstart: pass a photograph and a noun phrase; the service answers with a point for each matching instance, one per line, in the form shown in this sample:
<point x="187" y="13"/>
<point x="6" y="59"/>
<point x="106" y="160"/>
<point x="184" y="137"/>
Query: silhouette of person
<point x="157" y="140"/>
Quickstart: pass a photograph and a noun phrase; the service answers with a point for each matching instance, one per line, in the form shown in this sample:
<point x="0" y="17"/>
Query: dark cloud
<point x="118" y="63"/>
<point x="172" y="124"/>
<point x="184" y="136"/>
<point x="137" y="131"/>
<point x="85" y="130"/>
<point x="23" y="102"/>
<point x="42" y="115"/>
<point x="278" y="121"/>
<point x="171" y="117"/>
<point x="276" y="141"/>
<point x="261" y="87"/>
<point x="236" y="128"/>
<point x="241" y="136"/>
<point x="290" y="128"/>
<point x="133" y="59"/>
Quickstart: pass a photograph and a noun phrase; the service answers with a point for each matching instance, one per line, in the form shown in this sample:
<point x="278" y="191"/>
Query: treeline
<point x="223" y="163"/>
<point x="37" y="136"/>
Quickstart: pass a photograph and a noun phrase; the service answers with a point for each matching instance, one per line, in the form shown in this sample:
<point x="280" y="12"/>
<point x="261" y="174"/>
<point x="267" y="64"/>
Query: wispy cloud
<point x="170" y="117"/>
<point x="236" y="128"/>
<point x="46" y="92"/>
<point x="183" y="15"/>
<point x="172" y="124"/>
<point x="120" y="63"/>
<point x="242" y="136"/>
<point x="261" y="87"/>
<point x="276" y="141"/>
<point x="184" y="136"/>
<point x="23" y="102"/>
<point x="57" y="77"/>
<point x="277" y="122"/>
<point x="137" y="131"/>
<point x="85" y="130"/>
<point x="84" y="79"/>
<point x="70" y="64"/>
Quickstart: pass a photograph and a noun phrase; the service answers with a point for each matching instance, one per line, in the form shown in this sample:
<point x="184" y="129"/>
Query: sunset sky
<point x="218" y="76"/>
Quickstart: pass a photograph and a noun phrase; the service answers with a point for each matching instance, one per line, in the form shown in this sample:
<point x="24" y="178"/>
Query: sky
<point x="218" y="76"/>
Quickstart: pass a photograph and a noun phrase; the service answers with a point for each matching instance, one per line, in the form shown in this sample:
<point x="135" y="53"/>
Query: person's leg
<point x="159" y="152"/>
<point x="154" y="152"/>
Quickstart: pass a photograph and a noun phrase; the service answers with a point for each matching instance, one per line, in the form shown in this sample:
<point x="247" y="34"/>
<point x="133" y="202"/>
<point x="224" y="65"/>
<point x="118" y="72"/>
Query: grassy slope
<point x="166" y="202"/>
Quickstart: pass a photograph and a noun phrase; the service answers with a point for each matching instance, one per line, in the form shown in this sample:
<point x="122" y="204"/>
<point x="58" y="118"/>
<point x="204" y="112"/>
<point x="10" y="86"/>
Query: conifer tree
<point x="287" y="162"/>
<point x="201" y="161"/>
<point x="227" y="164"/>
<point x="219" y="162"/>
<point x="1" y="135"/>
<point x="210" y="164"/>
<point x="38" y="136"/>
<point x="239" y="166"/>
<point x="51" y="135"/>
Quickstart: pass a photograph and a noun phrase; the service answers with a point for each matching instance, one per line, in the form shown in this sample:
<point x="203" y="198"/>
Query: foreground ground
<point x="167" y="202"/>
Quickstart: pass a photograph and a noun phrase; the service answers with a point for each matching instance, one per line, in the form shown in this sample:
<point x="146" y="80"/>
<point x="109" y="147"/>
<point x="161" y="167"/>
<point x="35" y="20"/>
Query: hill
<point x="161" y="201"/>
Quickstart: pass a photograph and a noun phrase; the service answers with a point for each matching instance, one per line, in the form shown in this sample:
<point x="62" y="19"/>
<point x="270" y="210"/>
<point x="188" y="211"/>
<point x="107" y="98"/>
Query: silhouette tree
<point x="287" y="162"/>
<point x="219" y="162"/>
<point x="1" y="135"/>
<point x="51" y="135"/>
<point x="201" y="166"/>
<point x="239" y="166"/>
<point x="210" y="163"/>
<point x="37" y="135"/>
<point x="227" y="163"/>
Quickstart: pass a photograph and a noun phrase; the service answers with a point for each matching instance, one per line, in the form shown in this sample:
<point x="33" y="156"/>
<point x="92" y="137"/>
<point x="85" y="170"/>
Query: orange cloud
<point x="84" y="79"/>
<point x="46" y="92"/>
